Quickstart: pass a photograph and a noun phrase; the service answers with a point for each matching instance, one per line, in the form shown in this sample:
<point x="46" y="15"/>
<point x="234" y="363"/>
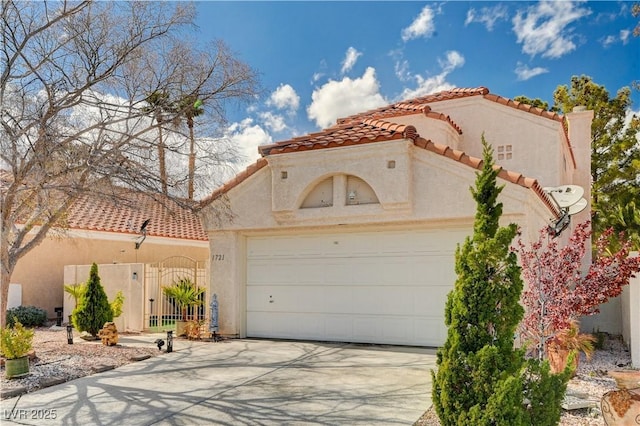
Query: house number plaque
<point x="217" y="257"/>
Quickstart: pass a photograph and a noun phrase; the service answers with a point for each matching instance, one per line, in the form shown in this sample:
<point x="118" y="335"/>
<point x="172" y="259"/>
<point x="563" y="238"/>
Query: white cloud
<point x="487" y="16"/>
<point x="274" y="122"/>
<point x="611" y="39"/>
<point x="624" y="36"/>
<point x="525" y="73"/>
<point x="285" y="97"/>
<point x="401" y="68"/>
<point x="608" y="40"/>
<point x="316" y="76"/>
<point x="246" y="137"/>
<point x="348" y="96"/>
<point x="544" y="28"/>
<point x="350" y="59"/>
<point x="436" y="83"/>
<point x="453" y="60"/>
<point x="422" y="26"/>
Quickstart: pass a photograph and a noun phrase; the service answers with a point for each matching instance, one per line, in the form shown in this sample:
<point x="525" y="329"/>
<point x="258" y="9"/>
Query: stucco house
<point x="104" y="232"/>
<point x="348" y="234"/>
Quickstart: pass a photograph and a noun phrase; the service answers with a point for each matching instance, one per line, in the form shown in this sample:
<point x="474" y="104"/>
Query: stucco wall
<point x="40" y="272"/>
<point x="422" y="190"/>
<point x="415" y="187"/>
<point x="125" y="277"/>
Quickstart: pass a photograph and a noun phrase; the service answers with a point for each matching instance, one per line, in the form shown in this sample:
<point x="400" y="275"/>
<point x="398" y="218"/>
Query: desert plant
<point x="75" y="291"/>
<point x="29" y="316"/>
<point x="16" y="341"/>
<point x="482" y="379"/>
<point x="93" y="309"/>
<point x="185" y="294"/>
<point x="567" y="341"/>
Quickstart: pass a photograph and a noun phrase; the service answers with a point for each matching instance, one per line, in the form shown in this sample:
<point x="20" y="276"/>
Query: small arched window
<point x="320" y="196"/>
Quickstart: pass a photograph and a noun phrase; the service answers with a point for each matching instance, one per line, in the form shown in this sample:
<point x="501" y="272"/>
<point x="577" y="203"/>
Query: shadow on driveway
<point x="244" y="382"/>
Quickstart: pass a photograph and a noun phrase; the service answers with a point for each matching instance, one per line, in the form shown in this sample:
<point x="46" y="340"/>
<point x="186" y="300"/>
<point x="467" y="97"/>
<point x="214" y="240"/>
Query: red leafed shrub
<point x="558" y="293"/>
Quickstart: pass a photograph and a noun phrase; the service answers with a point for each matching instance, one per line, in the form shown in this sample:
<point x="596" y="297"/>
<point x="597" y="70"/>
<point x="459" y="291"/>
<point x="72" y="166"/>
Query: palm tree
<point x="190" y="107"/>
<point x="159" y="104"/>
<point x="185" y="294"/>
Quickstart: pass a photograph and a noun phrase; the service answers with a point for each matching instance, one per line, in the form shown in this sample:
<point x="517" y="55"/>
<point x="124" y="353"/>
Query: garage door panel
<point x="432" y="331"/>
<point x="339" y="328"/>
<point x="431" y="300"/>
<point x="366" y="329"/>
<point x="375" y="287"/>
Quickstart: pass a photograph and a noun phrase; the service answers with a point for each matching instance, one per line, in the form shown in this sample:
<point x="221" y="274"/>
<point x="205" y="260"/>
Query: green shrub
<point x="16" y="341"/>
<point x="600" y="337"/>
<point x="93" y="308"/>
<point x="481" y="378"/>
<point x="117" y="304"/>
<point x="29" y="316"/>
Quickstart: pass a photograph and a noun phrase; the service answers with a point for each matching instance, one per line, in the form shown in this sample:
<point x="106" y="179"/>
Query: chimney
<point x="579" y="121"/>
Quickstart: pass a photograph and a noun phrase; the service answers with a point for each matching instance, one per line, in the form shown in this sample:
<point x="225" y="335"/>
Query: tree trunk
<point x="192" y="157"/>
<point x="161" y="158"/>
<point x="5" y="279"/>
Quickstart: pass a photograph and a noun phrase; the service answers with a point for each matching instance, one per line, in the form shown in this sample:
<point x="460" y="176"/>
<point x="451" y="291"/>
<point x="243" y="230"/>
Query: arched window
<point x="320" y="196"/>
<point x="359" y="192"/>
<point x="355" y="191"/>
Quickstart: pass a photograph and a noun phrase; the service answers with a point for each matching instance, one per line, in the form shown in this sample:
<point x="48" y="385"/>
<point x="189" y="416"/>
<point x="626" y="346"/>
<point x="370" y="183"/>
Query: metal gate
<point x="161" y="312"/>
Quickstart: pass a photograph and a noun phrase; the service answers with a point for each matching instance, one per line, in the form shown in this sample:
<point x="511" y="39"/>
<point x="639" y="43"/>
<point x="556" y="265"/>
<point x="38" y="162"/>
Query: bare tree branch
<point x="74" y="113"/>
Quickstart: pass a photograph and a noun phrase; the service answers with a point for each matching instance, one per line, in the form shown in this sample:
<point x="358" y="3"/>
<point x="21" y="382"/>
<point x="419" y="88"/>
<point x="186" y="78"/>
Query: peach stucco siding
<point x="419" y="158"/>
<point x="423" y="190"/>
<point x="40" y="272"/>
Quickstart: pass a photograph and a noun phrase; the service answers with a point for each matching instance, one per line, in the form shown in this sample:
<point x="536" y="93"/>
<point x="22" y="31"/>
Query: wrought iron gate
<point x="161" y="312"/>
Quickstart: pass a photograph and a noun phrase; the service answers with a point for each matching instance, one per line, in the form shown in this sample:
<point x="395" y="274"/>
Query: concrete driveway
<point x="243" y="382"/>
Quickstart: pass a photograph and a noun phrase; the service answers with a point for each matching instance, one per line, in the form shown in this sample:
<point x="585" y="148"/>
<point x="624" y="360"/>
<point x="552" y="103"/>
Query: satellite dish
<point x="566" y="195"/>
<point x="577" y="207"/>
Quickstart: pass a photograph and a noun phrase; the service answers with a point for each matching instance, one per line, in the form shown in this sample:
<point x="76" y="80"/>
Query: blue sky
<point x="321" y="60"/>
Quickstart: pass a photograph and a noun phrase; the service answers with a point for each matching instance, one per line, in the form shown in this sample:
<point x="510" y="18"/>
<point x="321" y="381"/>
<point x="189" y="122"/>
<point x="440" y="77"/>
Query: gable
<point x="530" y="143"/>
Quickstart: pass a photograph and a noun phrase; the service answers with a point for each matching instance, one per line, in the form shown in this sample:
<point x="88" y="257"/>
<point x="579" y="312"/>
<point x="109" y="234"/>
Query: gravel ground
<point x="591" y="381"/>
<point x="55" y="359"/>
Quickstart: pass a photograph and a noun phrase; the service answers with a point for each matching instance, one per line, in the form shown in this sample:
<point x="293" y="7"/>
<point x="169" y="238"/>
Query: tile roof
<point x="377" y="125"/>
<point x="355" y="133"/>
<point x="125" y="212"/>
<point x="167" y="218"/>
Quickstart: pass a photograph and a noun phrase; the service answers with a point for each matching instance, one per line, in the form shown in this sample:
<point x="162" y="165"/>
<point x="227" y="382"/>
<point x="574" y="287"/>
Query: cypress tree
<point x="481" y="378"/>
<point x="93" y="308"/>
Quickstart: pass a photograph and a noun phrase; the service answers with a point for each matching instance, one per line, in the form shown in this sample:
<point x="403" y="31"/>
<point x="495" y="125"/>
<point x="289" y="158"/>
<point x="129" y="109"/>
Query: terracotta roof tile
<point x="367" y="131"/>
<point x="376" y="125"/>
<point x="167" y="218"/>
<point x="125" y="212"/>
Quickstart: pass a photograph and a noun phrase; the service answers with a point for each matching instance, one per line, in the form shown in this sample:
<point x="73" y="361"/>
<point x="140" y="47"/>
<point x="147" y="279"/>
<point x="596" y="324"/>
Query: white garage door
<point x="374" y="287"/>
